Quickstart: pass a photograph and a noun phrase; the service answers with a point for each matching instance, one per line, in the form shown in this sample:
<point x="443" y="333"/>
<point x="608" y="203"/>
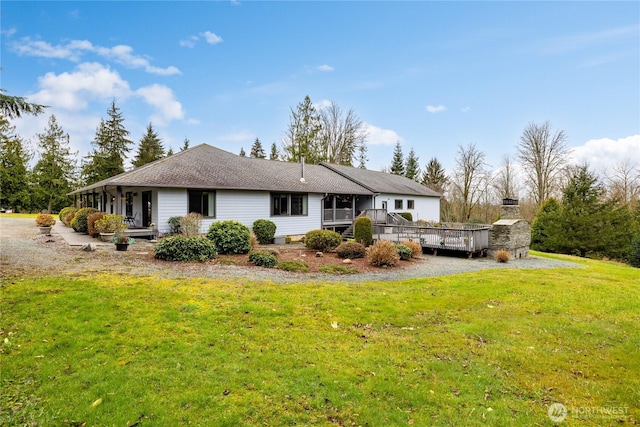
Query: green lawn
<point x="494" y="347"/>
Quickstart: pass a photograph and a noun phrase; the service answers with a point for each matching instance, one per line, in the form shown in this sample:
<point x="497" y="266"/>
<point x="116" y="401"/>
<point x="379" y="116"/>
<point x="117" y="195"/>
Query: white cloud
<point x="465" y="109"/>
<point x="325" y="103"/>
<point x="324" y="67"/>
<point x="239" y="136"/>
<point x="73" y="90"/>
<point x="162" y="98"/>
<point x="75" y="49"/>
<point x="603" y="153"/>
<point x="379" y="136"/>
<point x="189" y="42"/>
<point x="435" y="108"/>
<point x="211" y="38"/>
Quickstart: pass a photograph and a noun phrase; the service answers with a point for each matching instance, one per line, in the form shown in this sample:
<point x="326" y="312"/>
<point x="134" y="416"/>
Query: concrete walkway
<point x="75" y="239"/>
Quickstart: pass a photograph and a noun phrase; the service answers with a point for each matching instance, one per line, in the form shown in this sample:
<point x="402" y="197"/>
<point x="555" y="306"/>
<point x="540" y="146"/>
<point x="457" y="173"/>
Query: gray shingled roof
<point x="204" y="166"/>
<point x="381" y="182"/>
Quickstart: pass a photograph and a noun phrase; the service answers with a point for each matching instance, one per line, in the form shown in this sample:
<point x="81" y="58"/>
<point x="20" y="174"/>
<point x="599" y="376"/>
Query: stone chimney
<point x="510" y="209"/>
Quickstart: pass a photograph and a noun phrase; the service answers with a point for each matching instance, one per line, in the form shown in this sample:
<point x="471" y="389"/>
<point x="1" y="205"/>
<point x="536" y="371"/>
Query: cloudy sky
<point x="432" y="75"/>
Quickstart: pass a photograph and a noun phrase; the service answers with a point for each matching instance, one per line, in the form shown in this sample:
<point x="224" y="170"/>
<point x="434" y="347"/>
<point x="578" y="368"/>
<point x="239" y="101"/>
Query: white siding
<point x="248" y="206"/>
<point x="243" y="206"/>
<point x="170" y="202"/>
<point x="425" y="208"/>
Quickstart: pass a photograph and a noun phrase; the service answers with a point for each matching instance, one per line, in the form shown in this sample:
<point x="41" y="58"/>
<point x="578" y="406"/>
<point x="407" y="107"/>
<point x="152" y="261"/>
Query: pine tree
<point x="412" y="169"/>
<point x="150" y="148"/>
<point x="546" y="227"/>
<point x="274" y="152"/>
<point x="397" y="164"/>
<point x="54" y="174"/>
<point x="110" y="147"/>
<point x="257" y="151"/>
<point x="185" y="145"/>
<point x="434" y="176"/>
<point x="14" y="171"/>
<point x="303" y="135"/>
<point x="169" y="152"/>
<point x="242" y="153"/>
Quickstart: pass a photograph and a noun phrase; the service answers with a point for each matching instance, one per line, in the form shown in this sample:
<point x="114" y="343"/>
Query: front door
<point x="147" y="208"/>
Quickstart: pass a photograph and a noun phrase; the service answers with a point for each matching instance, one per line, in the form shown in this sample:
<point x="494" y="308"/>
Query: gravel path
<point x="24" y="252"/>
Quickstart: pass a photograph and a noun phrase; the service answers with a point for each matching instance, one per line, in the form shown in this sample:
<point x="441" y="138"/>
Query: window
<point x="202" y="202"/>
<point x="398" y="204"/>
<point x="410" y="204"/>
<point x="288" y="204"/>
<point x="129" y="204"/>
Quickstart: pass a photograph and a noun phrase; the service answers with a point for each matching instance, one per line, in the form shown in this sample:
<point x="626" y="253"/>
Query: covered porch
<point x="339" y="210"/>
<point x="134" y="203"/>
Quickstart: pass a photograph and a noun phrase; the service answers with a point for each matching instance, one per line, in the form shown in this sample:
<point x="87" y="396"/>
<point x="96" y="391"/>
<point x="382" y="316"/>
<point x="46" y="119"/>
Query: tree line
<point x="570" y="207"/>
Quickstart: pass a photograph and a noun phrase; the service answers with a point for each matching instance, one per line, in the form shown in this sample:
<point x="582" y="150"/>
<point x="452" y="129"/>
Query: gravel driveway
<point x="24" y="252"/>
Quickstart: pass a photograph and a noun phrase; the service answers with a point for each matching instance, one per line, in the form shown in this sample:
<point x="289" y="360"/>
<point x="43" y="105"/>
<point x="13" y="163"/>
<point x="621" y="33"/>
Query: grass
<point x="495" y="347"/>
<point x="20" y="215"/>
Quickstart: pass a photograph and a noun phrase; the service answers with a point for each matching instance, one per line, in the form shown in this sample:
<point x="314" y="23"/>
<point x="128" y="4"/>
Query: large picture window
<point x="202" y="202"/>
<point x="288" y="204"/>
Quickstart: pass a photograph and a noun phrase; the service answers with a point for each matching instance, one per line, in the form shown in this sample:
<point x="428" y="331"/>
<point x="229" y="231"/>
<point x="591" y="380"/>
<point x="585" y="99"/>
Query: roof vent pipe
<point x="302" y="168"/>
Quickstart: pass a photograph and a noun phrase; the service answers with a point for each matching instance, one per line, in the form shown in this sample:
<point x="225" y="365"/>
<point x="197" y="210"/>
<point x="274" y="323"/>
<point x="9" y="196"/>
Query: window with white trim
<point x="289" y="204"/>
<point x="202" y="202"/>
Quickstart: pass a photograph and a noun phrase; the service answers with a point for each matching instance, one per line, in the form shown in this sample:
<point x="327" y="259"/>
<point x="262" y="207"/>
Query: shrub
<point x="185" y="248"/>
<point x="322" y="240"/>
<point x="79" y="222"/>
<point x="264" y="230"/>
<point x="45" y="220"/>
<point x="91" y="223"/>
<point x="416" y="248"/>
<point x="66" y="211"/>
<point x="404" y="252"/>
<point x="110" y="223"/>
<point x="263" y="259"/>
<point x="351" y="250"/>
<point x="230" y="237"/>
<point x="68" y="218"/>
<point x="634" y="256"/>
<point x="383" y="254"/>
<point x="363" y="231"/>
<point x="174" y="224"/>
<point x="294" y="266"/>
<point x="337" y="269"/>
<point x="191" y="224"/>
<point x="502" y="255"/>
<point x="407" y="215"/>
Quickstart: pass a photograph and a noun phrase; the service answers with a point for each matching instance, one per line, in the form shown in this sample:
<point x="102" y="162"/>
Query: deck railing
<point x="468" y="238"/>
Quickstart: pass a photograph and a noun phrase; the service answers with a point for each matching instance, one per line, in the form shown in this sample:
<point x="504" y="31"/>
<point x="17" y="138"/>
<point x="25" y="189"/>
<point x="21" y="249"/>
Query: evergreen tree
<point x="242" y="153"/>
<point x="185" y="145"/>
<point x="303" y="136"/>
<point x="274" y="152"/>
<point x="412" y="169"/>
<point x="397" y="164"/>
<point x="170" y="152"/>
<point x="150" y="148"/>
<point x="110" y="147"/>
<point x="12" y="107"/>
<point x="546" y="227"/>
<point x="362" y="157"/>
<point x="14" y="171"/>
<point x="54" y="174"/>
<point x="434" y="176"/>
<point x="257" y="151"/>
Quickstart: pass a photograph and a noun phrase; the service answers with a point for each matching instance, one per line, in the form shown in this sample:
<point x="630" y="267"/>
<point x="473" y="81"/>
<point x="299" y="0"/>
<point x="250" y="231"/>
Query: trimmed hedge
<point x="185" y="248"/>
<point x="79" y="222"/>
<point x="263" y="259"/>
<point x="264" y="230"/>
<point x="91" y="221"/>
<point x="66" y="211"/>
<point x="363" y="231"/>
<point x="230" y="237"/>
<point x="407" y="215"/>
<point x="322" y="240"/>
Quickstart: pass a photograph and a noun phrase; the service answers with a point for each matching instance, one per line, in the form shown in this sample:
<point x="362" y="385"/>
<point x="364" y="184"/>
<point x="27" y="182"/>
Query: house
<point x="220" y="185"/>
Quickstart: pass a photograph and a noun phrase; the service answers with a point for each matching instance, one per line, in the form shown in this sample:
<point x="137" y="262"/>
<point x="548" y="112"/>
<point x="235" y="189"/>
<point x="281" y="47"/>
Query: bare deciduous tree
<point x="342" y="136"/>
<point x="468" y="182"/>
<point x="623" y="181"/>
<point x="543" y="156"/>
<point x="506" y="181"/>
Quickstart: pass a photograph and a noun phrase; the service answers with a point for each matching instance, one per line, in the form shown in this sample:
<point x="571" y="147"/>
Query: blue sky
<point x="432" y="75"/>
